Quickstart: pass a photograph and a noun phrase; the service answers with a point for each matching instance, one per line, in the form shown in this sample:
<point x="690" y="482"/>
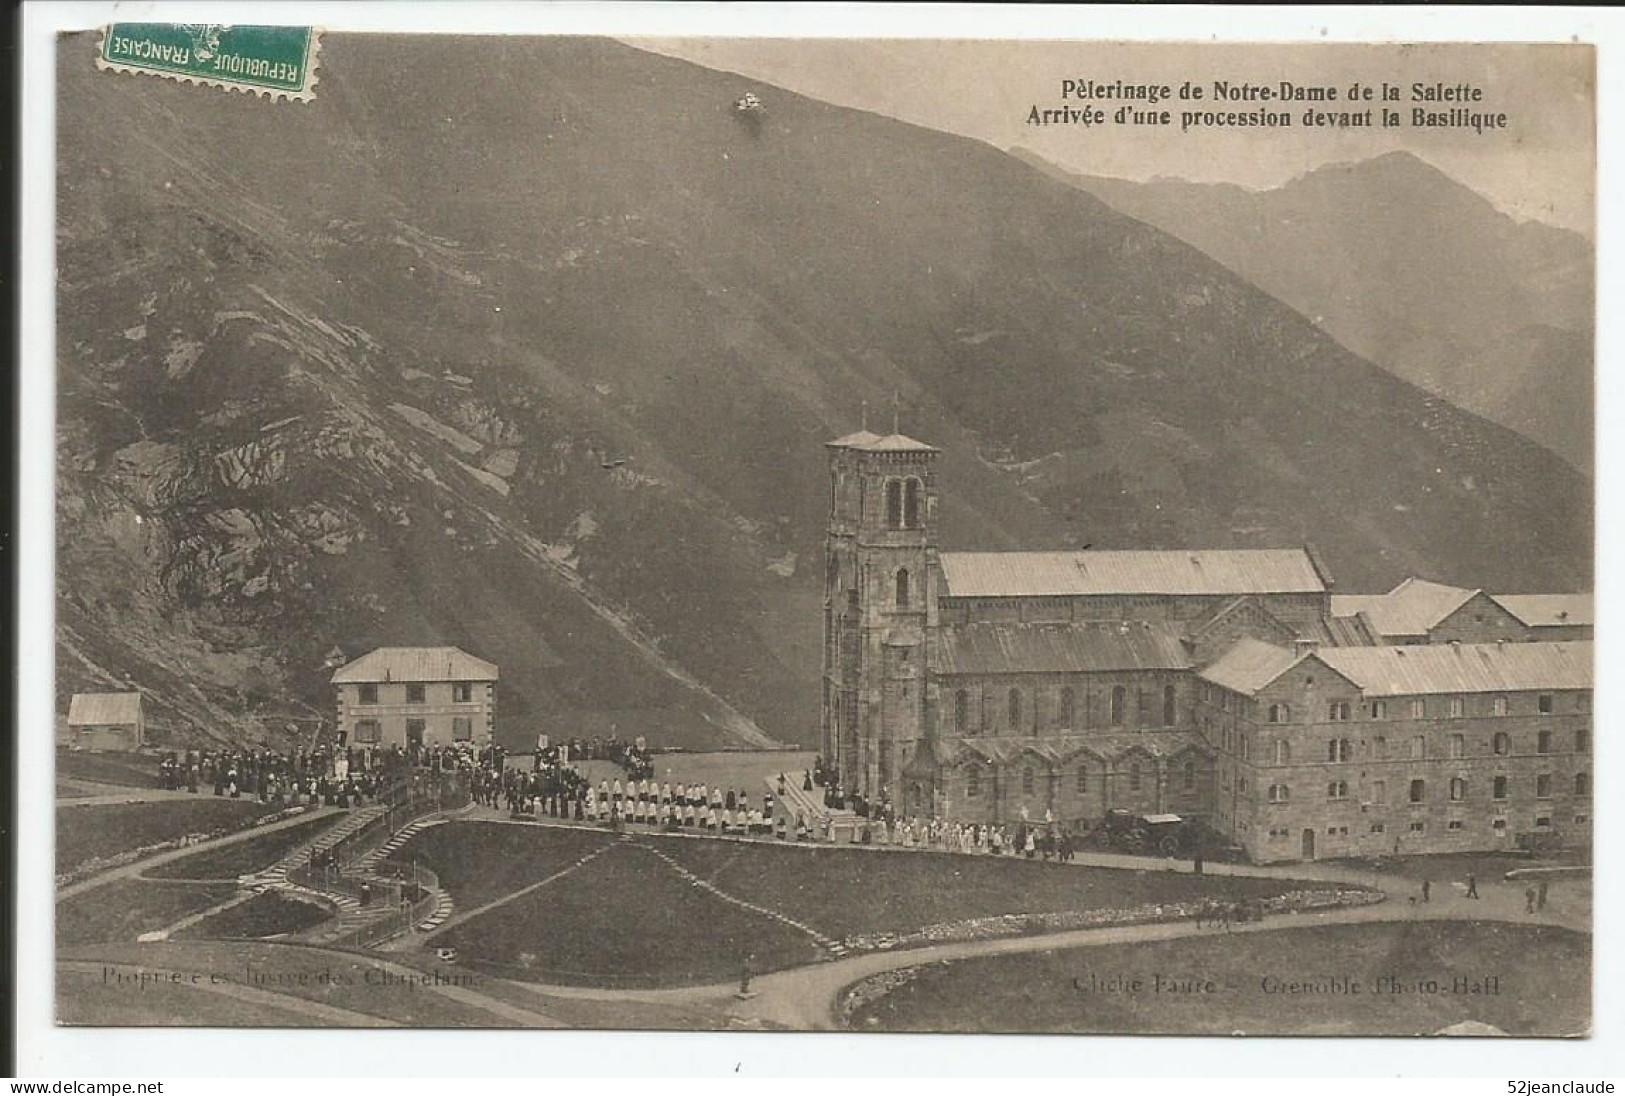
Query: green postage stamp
<point x="277" y="62"/>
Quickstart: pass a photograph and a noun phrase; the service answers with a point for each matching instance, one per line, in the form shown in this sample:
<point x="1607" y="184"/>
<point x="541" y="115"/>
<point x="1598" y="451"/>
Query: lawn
<point x="123" y="910"/>
<point x="1541" y="977"/>
<point x="119" y="769"/>
<point x="96" y="831"/>
<point x="627" y="917"/>
<point x="265" y="914"/>
<point x="249" y="855"/>
<point x="481" y="861"/>
<point x="845" y="891"/>
<point x="624" y="920"/>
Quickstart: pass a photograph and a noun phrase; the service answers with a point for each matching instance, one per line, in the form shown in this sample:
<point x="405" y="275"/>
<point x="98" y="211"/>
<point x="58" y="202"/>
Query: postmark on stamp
<point x="277" y="62"/>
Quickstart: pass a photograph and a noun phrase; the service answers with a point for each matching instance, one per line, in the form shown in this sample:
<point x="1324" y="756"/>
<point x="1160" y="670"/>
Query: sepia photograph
<point x="721" y="534"/>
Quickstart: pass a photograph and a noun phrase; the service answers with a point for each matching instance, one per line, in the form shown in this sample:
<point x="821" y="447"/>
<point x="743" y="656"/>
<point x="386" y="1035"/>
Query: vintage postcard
<point x="800" y="535"/>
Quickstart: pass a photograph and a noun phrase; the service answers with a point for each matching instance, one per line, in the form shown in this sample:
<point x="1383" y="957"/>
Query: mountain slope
<point x="541" y="363"/>
<point x="1409" y="269"/>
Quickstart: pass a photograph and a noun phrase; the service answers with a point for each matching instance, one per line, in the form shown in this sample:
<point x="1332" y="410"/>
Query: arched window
<point x="1168" y="705"/>
<point x="1119" y="701"/>
<point x="1083" y="779"/>
<point x="1134" y="777"/>
<point x="1027" y="780"/>
<point x="1280" y="713"/>
<point x="1279" y="793"/>
<point x="1014" y="704"/>
<point x="973" y="782"/>
<point x="1283" y="753"/>
<point x="1190" y="776"/>
<point x="1068" y="707"/>
<point x="1582" y="784"/>
<point x="1503" y="743"/>
<point x="911" y="504"/>
<point x="1337" y="789"/>
<point x="1419" y="790"/>
<point x="902" y="588"/>
<point x="1458" y="789"/>
<point x="962" y="711"/>
<point x="1500" y="789"/>
<point x="894" y="503"/>
<point x="1339" y="749"/>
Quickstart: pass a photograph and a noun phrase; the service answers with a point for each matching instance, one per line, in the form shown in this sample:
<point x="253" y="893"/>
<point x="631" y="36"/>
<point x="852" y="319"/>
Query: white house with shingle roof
<point x="427" y="696"/>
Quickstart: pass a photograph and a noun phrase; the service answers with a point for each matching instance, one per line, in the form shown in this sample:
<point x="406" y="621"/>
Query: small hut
<point x="105" y="722"/>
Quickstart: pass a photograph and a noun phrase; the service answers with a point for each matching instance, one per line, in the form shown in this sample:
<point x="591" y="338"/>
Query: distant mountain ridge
<point x="541" y="364"/>
<point x="1410" y="269"/>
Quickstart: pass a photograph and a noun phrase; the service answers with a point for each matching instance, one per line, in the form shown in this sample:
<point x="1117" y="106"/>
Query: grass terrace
<point x="122" y="770"/>
<point x="1543" y="984"/>
<point x="480" y="862"/>
<point x="99" y="831"/>
<point x="845" y="891"/>
<point x="250" y="855"/>
<point x="629" y="917"/>
<point x="123" y="910"/>
<point x="624" y="920"/>
<point x="265" y="914"/>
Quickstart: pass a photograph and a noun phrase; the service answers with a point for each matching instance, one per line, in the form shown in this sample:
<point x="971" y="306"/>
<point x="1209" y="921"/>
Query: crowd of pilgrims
<point x="554" y="788"/>
<point x="326" y="775"/>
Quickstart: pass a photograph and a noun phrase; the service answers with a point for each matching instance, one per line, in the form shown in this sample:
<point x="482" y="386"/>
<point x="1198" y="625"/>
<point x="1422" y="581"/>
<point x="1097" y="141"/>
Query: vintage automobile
<point x="1123" y="829"/>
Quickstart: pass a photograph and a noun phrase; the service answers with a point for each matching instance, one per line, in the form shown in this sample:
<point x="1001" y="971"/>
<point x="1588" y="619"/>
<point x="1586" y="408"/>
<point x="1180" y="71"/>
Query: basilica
<point x="1225" y="686"/>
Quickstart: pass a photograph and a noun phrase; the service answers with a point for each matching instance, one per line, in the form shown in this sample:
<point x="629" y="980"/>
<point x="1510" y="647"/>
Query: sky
<point x="1540" y="167"/>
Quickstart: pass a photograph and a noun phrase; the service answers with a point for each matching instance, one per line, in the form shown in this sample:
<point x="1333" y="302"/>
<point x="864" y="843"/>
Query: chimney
<point x="1304" y="644"/>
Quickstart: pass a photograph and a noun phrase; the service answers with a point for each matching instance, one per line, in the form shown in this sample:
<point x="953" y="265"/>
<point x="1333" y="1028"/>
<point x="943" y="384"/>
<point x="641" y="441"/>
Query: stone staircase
<point x="350" y="916"/>
<point x="277" y="874"/>
<point x="443" y="905"/>
<point x="810" y="804"/>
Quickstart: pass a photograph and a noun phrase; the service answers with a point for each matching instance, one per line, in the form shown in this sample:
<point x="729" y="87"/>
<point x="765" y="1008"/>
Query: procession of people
<point x="556" y="787"/>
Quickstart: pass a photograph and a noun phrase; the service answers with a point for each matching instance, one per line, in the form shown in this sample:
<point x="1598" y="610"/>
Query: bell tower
<point x="880" y="608"/>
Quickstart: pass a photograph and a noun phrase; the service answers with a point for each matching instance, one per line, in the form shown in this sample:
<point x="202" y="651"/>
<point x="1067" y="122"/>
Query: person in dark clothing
<point x="1427" y="890"/>
<point x="1472" y="885"/>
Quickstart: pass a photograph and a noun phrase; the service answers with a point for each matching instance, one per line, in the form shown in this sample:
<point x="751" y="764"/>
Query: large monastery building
<point x="1229" y="686"/>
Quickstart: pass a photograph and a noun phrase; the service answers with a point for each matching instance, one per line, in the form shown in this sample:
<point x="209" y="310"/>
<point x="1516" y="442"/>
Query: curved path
<point x="109" y="795"/>
<point x="137" y="867"/>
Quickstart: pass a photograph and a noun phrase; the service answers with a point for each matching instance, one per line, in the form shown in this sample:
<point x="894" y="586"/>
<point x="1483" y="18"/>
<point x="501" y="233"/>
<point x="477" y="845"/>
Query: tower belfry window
<point x="902" y="588"/>
<point x="894" y="504"/>
<point x="911" y="504"/>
